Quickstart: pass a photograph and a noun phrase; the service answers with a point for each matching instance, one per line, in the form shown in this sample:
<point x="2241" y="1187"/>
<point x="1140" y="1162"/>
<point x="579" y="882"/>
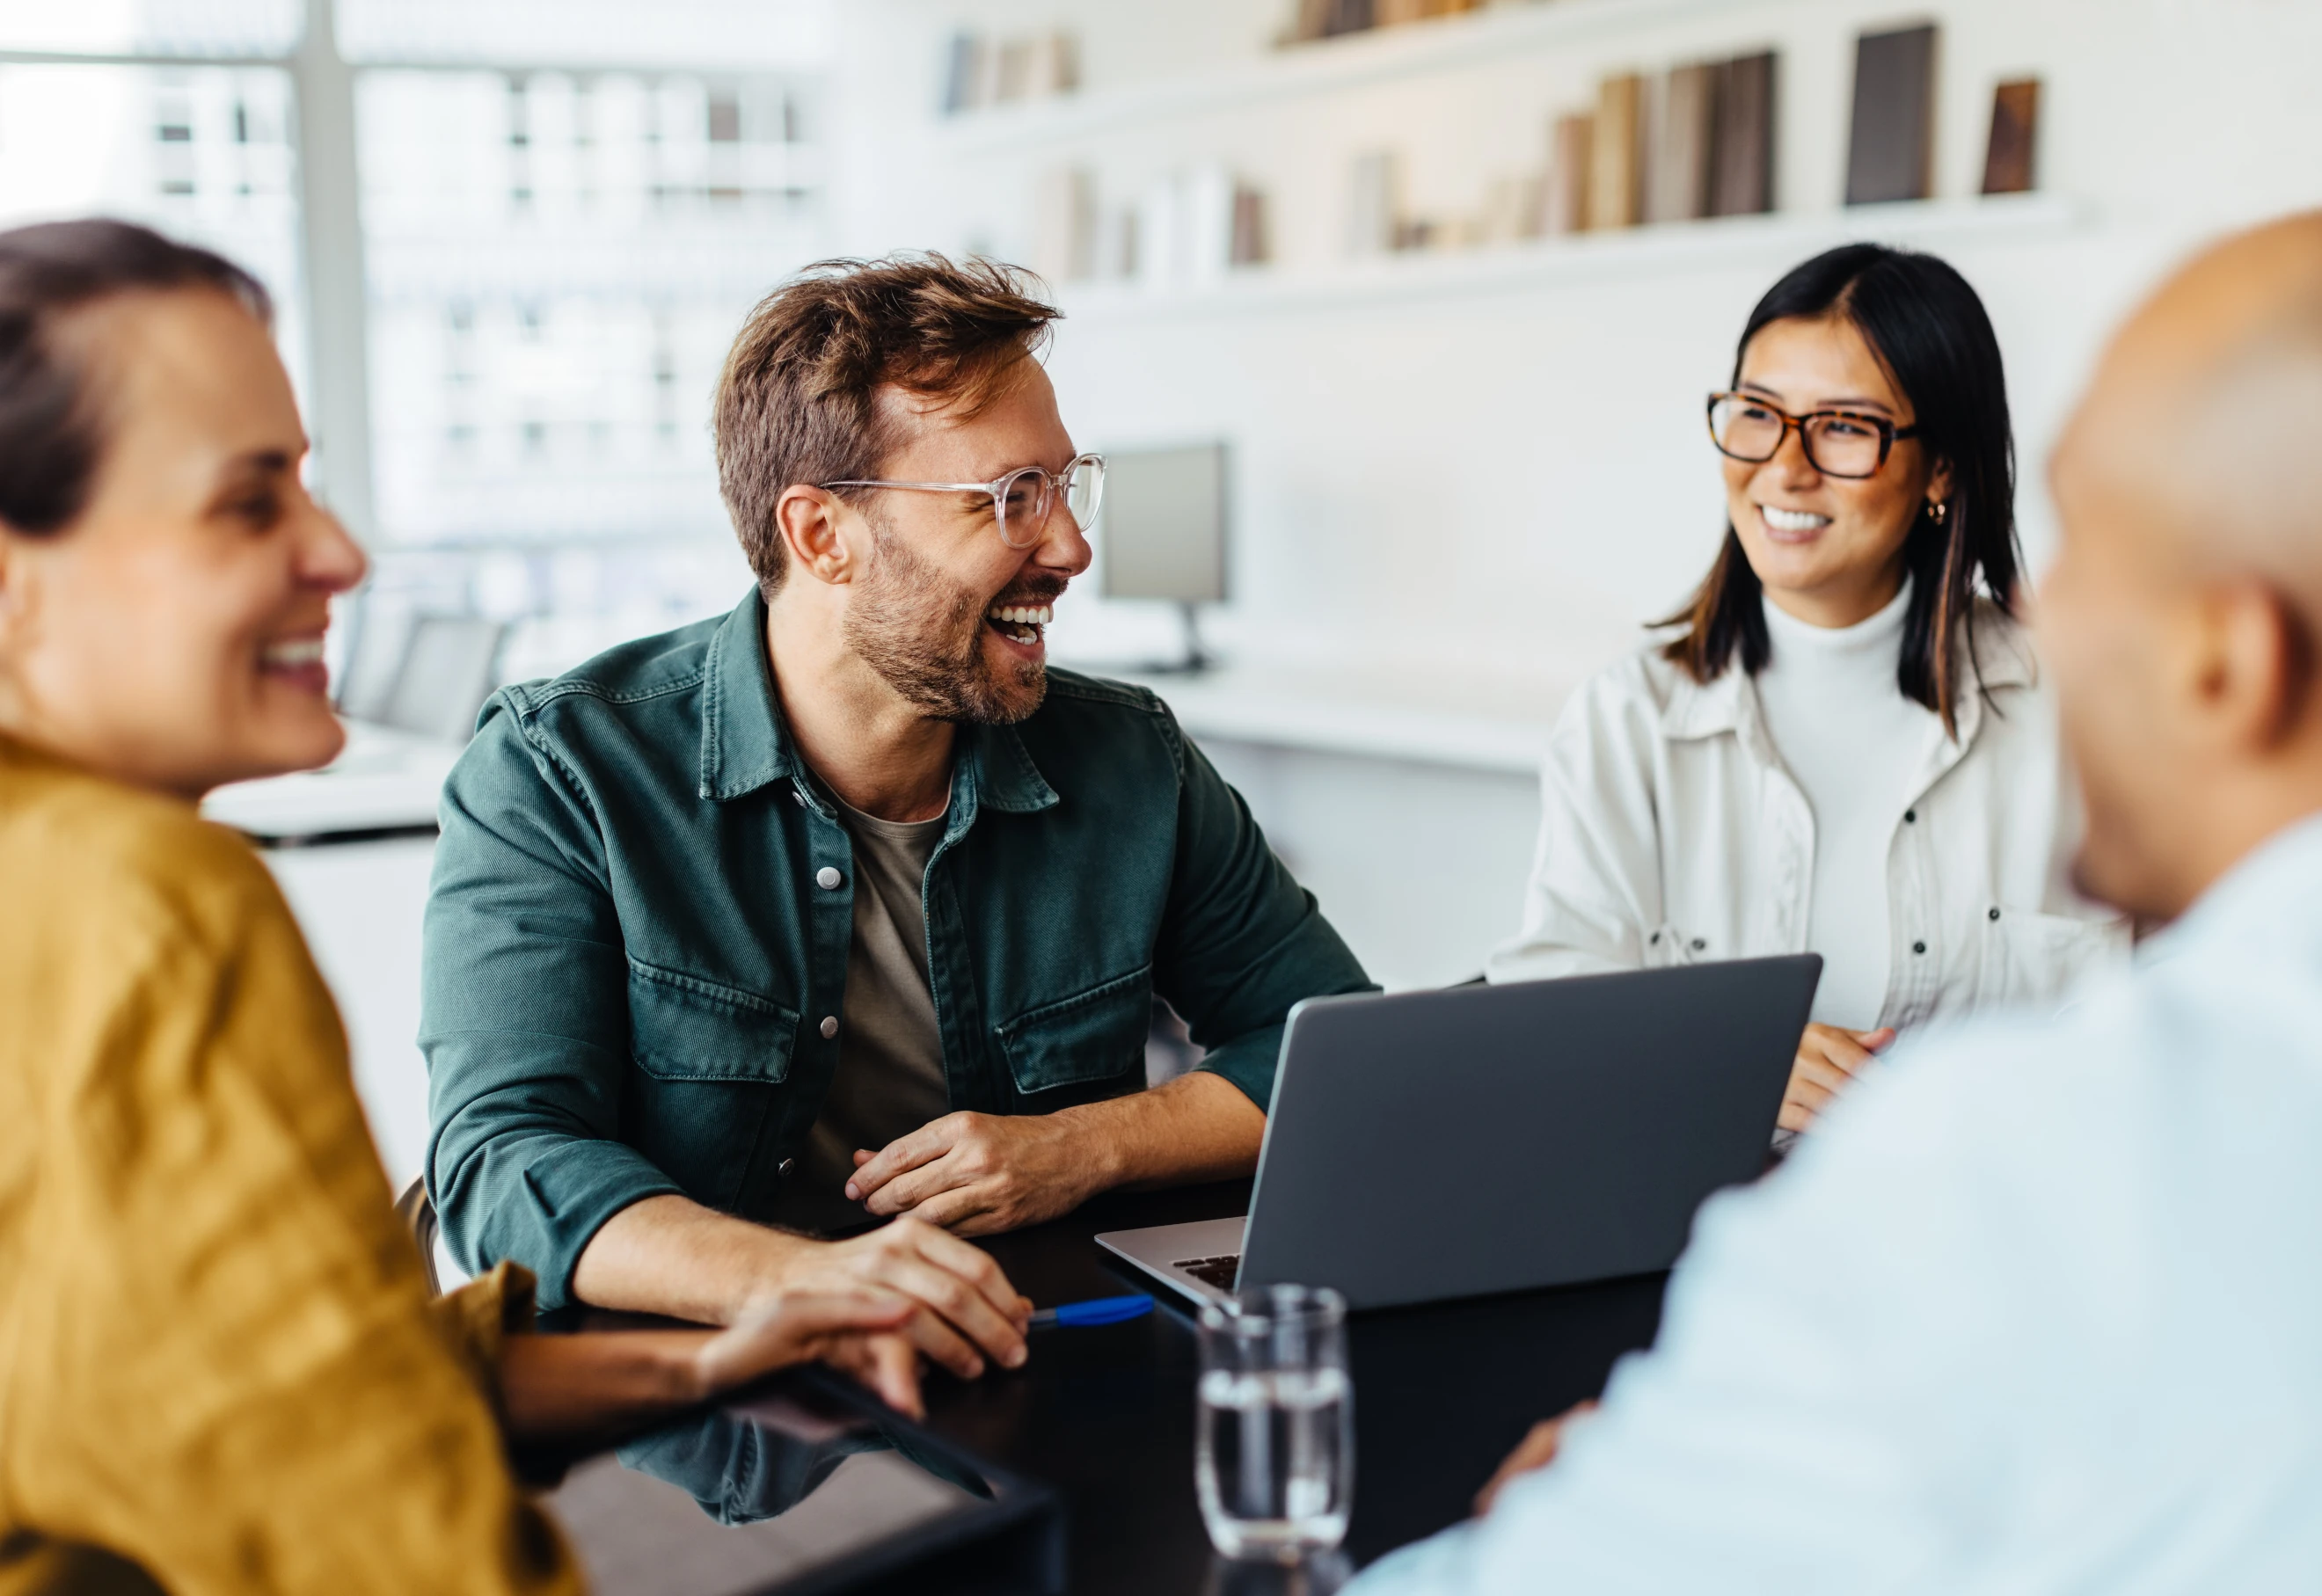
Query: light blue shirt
<point x="2038" y="1311"/>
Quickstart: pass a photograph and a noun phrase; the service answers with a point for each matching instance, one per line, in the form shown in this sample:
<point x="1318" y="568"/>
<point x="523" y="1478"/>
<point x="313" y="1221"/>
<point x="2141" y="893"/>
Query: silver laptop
<point x="1451" y="1143"/>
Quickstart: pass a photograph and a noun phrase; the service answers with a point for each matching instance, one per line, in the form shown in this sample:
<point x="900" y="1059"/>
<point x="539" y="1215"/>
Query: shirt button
<point x="1916" y="947"/>
<point x="1995" y="913"/>
<point x="1910" y="817"/>
<point x="829" y="1026"/>
<point x="827" y="878"/>
<point x="1698" y="944"/>
<point x="788" y="1164"/>
<point x="797" y="797"/>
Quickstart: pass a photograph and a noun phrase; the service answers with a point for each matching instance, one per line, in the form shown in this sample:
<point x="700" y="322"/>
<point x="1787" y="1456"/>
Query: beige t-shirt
<point x="890" y="1072"/>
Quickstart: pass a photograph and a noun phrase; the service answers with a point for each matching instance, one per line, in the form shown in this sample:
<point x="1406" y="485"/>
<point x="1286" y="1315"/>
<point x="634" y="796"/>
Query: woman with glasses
<point x="1845" y="746"/>
<point x="219" y="1369"/>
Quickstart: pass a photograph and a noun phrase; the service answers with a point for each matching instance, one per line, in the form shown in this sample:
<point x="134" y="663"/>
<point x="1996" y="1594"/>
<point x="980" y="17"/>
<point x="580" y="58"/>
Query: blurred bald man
<point x="2041" y="1311"/>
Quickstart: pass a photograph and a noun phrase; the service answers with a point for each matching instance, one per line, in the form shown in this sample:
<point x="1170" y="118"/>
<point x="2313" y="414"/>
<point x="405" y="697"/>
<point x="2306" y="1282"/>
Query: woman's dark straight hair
<point x="52" y="419"/>
<point x="1929" y="330"/>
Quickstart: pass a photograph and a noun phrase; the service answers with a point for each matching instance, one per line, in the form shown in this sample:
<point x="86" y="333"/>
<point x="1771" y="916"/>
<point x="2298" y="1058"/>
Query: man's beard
<point x="923" y="633"/>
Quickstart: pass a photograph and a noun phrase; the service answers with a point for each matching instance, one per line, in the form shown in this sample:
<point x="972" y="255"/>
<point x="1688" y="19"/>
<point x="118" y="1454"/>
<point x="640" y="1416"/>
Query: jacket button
<point x="1916" y="947"/>
<point x="827" y="878"/>
<point x="829" y="1026"/>
<point x="784" y="1169"/>
<point x="1910" y="817"/>
<point x="1994" y="912"/>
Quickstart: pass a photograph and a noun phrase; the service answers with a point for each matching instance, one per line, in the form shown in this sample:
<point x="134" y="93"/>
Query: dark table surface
<point x="1105" y="1415"/>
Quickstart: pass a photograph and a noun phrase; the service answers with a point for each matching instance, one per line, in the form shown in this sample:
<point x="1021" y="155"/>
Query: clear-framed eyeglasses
<point x="1851" y="443"/>
<point x="1022" y="501"/>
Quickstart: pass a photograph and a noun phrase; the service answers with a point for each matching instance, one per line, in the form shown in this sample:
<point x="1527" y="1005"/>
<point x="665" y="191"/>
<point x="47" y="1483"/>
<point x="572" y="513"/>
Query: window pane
<point x="203" y="153"/>
<point x="737" y="34"/>
<point x="556" y="263"/>
<point x="153" y="27"/>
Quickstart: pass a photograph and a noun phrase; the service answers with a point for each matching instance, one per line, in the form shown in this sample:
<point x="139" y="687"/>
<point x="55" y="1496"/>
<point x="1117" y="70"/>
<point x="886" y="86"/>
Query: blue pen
<point x="1102" y="1311"/>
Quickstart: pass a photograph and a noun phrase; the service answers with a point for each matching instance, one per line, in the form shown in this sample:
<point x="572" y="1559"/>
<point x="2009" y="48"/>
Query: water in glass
<point x="1275" y="1444"/>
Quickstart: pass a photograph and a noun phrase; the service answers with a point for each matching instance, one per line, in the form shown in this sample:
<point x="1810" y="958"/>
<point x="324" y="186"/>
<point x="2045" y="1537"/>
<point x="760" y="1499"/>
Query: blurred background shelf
<point x="1348" y="61"/>
<point x="1627" y="256"/>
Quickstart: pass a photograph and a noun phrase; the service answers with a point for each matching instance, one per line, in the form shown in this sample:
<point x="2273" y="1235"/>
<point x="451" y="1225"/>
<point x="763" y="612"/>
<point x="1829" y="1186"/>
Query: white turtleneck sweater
<point x="1857" y="747"/>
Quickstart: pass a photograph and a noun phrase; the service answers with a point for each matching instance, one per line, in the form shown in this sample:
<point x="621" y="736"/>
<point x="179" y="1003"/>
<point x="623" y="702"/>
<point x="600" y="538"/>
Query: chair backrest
<point x="418" y="1215"/>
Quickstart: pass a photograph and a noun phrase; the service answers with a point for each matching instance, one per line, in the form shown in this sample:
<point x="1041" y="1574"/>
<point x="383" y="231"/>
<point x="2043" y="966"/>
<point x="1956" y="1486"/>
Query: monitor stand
<point x="1197" y="657"/>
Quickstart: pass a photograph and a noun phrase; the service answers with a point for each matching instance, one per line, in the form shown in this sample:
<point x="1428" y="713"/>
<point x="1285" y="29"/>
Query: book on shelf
<point x="963" y="73"/>
<point x="1891" y="150"/>
<point x="1741" y="179"/>
<point x="1250" y="245"/>
<point x="1617" y="167"/>
<point x="1679" y="187"/>
<point x="979" y="72"/>
<point x="1064" y="225"/>
<point x="1564" y="199"/>
<point x="1375" y="204"/>
<point x="2007" y="158"/>
<point x="1391" y="13"/>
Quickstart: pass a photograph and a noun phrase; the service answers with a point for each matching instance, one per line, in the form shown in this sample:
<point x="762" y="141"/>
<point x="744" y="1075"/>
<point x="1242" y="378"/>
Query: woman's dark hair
<point x="1929" y="330"/>
<point x="51" y="423"/>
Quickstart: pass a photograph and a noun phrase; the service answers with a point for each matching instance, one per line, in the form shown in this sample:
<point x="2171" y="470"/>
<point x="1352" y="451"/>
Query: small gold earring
<point x="1939" y="510"/>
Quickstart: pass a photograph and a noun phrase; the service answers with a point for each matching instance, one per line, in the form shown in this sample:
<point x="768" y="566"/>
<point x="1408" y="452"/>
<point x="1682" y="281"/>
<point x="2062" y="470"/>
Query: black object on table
<point x="1105" y="1416"/>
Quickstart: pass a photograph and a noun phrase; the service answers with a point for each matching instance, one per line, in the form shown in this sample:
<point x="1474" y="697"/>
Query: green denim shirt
<point x="633" y="974"/>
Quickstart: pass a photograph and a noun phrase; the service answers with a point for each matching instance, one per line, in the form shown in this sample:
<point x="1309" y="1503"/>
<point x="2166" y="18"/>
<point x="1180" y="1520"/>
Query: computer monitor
<point x="1163" y="533"/>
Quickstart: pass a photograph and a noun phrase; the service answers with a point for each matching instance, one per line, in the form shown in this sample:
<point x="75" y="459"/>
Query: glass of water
<point x="1275" y="1446"/>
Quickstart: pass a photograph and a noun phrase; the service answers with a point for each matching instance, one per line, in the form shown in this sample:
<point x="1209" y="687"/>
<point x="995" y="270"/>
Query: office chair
<point x="418" y="1216"/>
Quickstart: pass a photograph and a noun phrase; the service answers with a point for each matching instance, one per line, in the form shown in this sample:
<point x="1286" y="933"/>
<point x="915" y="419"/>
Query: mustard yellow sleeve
<point x="225" y="1368"/>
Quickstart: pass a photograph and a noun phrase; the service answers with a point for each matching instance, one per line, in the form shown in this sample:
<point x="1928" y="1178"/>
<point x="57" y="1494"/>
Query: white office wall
<point x="1506" y="477"/>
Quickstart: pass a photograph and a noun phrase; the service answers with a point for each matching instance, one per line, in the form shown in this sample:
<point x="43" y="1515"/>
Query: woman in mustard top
<point x="220" y="1370"/>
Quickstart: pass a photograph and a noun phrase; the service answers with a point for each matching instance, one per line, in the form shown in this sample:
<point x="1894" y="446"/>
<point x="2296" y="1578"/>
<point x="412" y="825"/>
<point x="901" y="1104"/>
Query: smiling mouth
<point x="1020" y="623"/>
<point x="1791" y="522"/>
<point x="291" y="654"/>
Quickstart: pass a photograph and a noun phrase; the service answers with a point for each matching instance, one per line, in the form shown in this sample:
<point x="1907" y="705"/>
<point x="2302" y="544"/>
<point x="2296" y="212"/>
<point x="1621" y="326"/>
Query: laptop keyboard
<point x="1217" y="1271"/>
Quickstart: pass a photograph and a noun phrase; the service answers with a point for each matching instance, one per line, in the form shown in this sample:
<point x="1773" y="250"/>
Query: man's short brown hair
<point x="798" y="399"/>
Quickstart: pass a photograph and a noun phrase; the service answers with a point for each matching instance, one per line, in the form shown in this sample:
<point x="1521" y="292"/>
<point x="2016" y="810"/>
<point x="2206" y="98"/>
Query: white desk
<point x="383" y="781"/>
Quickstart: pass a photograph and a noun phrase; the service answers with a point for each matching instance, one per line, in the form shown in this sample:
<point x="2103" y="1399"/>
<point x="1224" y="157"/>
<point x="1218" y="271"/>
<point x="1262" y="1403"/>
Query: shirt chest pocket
<point x="1092" y="1036"/>
<point x="684" y="1028"/>
<point x="2036" y="959"/>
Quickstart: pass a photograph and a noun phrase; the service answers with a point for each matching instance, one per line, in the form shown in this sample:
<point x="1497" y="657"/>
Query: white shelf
<point x="1665" y="249"/>
<point x="1351" y="60"/>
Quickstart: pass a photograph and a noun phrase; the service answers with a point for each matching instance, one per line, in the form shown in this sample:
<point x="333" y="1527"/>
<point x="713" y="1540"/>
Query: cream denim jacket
<point x="1671" y="832"/>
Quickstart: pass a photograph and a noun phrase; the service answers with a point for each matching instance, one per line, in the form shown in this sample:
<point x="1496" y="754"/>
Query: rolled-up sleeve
<point x="525" y="1017"/>
<point x="223" y="1366"/>
<point x="1240" y="941"/>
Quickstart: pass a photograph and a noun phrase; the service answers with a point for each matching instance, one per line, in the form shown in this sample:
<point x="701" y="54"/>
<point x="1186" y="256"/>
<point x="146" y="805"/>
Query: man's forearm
<point x="667" y="1255"/>
<point x="1197" y="1128"/>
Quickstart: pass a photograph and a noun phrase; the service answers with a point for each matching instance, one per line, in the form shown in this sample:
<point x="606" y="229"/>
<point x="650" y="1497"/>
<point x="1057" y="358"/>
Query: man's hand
<point x="963" y="1308"/>
<point x="860" y="1333"/>
<point x="977" y="1173"/>
<point x="670" y="1255"/>
<point x="1828" y="1061"/>
<point x="1535" y="1451"/>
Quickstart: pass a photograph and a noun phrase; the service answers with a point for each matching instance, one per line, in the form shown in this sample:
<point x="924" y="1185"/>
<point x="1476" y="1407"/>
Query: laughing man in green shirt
<point x="846" y="898"/>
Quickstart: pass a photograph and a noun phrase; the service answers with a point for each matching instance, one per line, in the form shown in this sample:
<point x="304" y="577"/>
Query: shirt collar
<point x="746" y="746"/>
<point x="2003" y="658"/>
<point x="2268" y="893"/>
